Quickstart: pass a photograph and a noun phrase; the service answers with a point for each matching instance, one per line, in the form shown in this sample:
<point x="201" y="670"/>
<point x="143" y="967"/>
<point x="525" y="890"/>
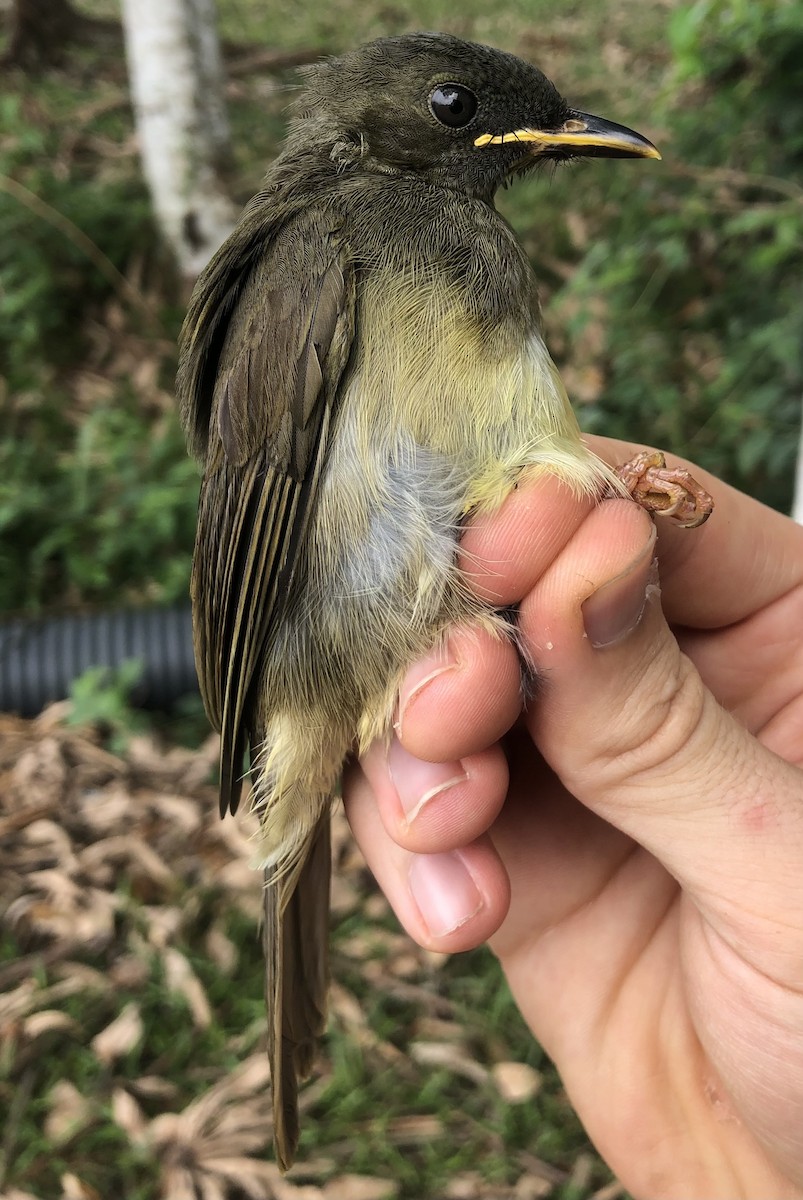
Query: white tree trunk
<point x="177" y="87"/>
<point x="797" y="507"/>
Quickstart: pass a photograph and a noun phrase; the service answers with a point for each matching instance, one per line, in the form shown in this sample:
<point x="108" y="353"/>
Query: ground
<point x="132" y="1029"/>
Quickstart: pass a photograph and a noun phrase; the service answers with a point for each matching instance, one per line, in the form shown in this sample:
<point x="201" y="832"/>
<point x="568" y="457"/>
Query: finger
<point x="449" y="901"/>
<point x="504" y="552"/>
<point x="745" y="556"/>
<point x="560" y="858"/>
<point x="754" y="669"/>
<point x="430" y="807"/>
<point x="625" y="721"/>
<point x="475" y="677"/>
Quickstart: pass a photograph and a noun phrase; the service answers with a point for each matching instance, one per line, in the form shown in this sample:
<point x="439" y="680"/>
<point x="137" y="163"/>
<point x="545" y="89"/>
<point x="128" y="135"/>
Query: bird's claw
<point x="666" y="491"/>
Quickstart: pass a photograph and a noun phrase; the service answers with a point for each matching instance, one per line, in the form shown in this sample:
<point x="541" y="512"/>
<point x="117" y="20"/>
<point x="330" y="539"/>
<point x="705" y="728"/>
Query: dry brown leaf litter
<point x="76" y="823"/>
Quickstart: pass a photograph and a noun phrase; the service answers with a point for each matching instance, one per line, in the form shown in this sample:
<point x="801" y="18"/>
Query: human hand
<point x="633" y="849"/>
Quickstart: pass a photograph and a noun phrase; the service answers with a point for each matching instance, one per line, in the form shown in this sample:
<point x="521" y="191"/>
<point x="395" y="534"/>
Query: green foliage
<point x="104" y="698"/>
<point x="89" y="510"/>
<point x="700" y="274"/>
<point x="97" y="496"/>
<point x="752" y="53"/>
<point x="46" y="280"/>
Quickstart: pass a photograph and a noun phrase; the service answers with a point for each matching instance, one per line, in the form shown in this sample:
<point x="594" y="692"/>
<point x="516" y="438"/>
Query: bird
<point x="362" y="367"/>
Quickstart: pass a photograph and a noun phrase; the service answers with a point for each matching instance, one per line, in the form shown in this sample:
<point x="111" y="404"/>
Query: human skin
<point x="631" y="843"/>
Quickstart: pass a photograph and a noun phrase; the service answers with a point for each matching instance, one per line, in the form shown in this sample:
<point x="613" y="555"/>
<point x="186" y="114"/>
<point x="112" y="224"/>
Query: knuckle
<point x="656" y="730"/>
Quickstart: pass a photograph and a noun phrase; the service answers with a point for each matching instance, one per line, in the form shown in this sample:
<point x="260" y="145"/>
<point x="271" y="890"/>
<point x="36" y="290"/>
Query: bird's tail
<point x="295" y="936"/>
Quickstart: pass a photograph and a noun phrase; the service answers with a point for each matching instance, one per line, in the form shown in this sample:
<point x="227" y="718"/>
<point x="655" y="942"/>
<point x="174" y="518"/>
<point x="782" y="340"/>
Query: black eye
<point x="453" y="105"/>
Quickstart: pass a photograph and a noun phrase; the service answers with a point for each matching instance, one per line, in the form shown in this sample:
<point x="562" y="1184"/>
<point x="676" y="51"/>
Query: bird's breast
<point x="432" y="374"/>
<point x="438" y="415"/>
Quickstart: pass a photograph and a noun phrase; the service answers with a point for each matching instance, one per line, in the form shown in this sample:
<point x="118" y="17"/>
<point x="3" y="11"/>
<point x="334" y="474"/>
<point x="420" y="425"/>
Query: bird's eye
<point x="453" y="105"/>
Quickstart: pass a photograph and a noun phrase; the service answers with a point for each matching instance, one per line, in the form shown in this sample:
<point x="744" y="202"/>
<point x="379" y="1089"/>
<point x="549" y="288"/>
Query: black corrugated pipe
<point x="40" y="658"/>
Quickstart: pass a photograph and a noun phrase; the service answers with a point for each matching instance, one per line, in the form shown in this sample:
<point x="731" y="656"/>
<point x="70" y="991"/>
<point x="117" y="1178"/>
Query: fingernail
<point x="615" y="609"/>
<point x="444" y="891"/>
<point x="419" y="676"/>
<point x="417" y="782"/>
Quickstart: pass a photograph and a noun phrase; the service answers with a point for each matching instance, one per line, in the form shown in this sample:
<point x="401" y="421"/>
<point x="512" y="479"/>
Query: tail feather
<point x="295" y="937"/>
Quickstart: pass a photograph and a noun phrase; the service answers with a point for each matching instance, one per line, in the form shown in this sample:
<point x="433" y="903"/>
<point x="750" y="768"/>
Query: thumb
<point x="625" y="721"/>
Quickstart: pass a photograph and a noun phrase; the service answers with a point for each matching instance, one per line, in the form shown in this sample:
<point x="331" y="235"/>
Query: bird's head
<point x="453" y="112"/>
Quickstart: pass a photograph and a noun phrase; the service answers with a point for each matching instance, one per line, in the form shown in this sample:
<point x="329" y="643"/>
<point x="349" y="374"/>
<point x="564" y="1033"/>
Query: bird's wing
<point x="264" y="347"/>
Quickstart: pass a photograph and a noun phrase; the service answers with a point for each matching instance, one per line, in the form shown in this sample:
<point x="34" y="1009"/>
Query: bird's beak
<point x="582" y="134"/>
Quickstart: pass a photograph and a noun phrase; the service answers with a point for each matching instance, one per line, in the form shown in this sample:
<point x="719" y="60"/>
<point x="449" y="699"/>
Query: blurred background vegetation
<point x="671" y="292"/>
<point x="674" y="309"/>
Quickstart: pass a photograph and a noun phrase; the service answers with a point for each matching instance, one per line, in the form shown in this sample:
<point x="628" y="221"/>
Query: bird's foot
<point x="666" y="491"/>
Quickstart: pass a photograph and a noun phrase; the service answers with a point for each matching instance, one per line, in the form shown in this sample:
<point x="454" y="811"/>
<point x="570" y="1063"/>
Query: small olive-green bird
<point x="362" y="366"/>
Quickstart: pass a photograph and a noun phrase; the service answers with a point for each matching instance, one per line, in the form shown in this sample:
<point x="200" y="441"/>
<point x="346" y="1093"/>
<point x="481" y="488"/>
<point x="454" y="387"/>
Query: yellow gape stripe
<point x="490" y="139"/>
<point x="566" y="138"/>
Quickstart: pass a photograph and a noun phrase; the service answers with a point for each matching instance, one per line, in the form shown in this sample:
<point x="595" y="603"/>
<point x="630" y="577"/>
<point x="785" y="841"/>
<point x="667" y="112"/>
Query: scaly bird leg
<point x="666" y="491"/>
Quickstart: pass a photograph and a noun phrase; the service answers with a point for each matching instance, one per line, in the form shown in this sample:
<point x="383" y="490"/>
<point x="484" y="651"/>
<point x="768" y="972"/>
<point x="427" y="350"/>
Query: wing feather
<point x="273" y="370"/>
<point x="265" y="344"/>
